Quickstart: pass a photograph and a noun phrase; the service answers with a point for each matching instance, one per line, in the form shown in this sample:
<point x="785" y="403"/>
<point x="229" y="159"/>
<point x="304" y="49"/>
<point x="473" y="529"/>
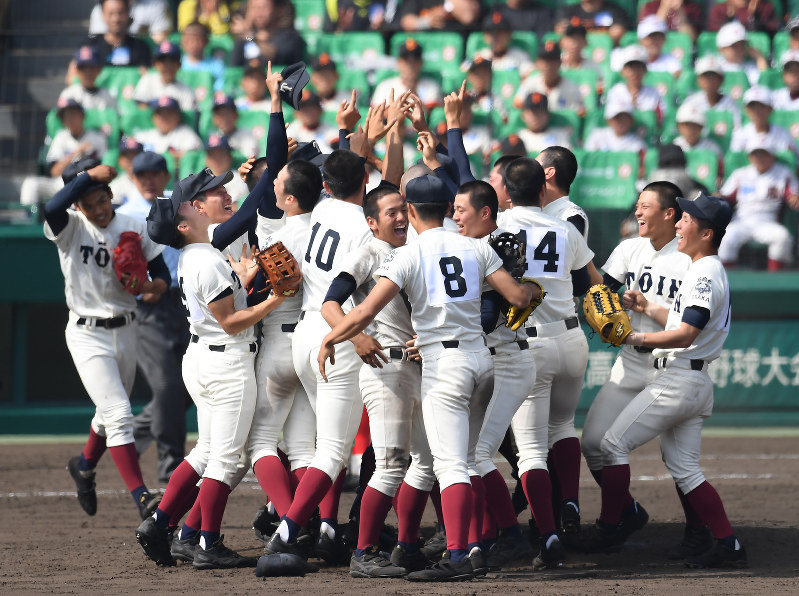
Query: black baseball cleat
<point x="184" y="550"/>
<point x="569" y="518"/>
<point x="436" y="545"/>
<point x="283" y="565"/>
<point x="332" y="550"/>
<point x="264" y="524"/>
<point x="372" y="564"/>
<point x="446" y="570"/>
<point x="154" y="541"/>
<point x="720" y="556"/>
<point x="551" y="556"/>
<point x="411" y="561"/>
<point x="148" y="503"/>
<point x="695" y="541"/>
<point x="277" y="545"/>
<point x="507" y="549"/>
<point x="601" y="538"/>
<point x="85" y="485"/>
<point x="634" y="520"/>
<point x="221" y="557"/>
<point x="478" y="561"/>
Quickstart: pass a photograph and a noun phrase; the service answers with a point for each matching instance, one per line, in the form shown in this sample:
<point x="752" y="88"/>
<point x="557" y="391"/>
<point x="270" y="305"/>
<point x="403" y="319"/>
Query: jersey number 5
<point x="330" y="237"/>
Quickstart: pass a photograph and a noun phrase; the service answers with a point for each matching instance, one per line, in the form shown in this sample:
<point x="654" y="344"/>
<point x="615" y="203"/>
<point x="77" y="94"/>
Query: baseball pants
<point x="392" y="396"/>
<point x="103" y="360"/>
<point x="673" y="407"/>
<point x="774" y="234"/>
<point x="630" y="374"/>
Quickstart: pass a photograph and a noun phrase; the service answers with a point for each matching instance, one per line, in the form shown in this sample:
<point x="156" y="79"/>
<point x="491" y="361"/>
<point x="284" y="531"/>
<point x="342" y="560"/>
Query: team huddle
<point x="444" y="305"/>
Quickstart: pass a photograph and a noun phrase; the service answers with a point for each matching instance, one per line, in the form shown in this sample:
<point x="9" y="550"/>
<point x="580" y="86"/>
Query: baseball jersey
<point x="426" y="89"/>
<point x="779" y="138"/>
<point x="442" y="274"/>
<point x="244" y="104"/>
<point x="657" y="274"/>
<point x="182" y="138"/>
<point x="91" y="99"/>
<point x="324" y="134"/>
<point x="563" y="209"/>
<point x="294" y="236"/>
<point x="151" y="87"/>
<point x="725" y="104"/>
<point x="749" y="68"/>
<point x="782" y="100"/>
<point x="705" y="285"/>
<point x="554" y="249"/>
<point x="392" y="325"/>
<point x="337" y="228"/>
<point x="514" y="59"/>
<point x="265" y="227"/>
<point x="705" y="144"/>
<point x="64" y="143"/>
<point x="759" y="197"/>
<point x="476" y="140"/>
<point x="664" y="63"/>
<point x="234" y="248"/>
<point x="85" y="252"/>
<point x="535" y="142"/>
<point x="244" y="142"/>
<point x="565" y="95"/>
<point x="332" y="103"/>
<point x="203" y="274"/>
<point x="123" y="187"/>
<point x="647" y="100"/>
<point x="604" y="139"/>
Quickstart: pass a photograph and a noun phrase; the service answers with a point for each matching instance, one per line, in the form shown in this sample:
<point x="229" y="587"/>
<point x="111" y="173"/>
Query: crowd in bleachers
<point x="611" y="79"/>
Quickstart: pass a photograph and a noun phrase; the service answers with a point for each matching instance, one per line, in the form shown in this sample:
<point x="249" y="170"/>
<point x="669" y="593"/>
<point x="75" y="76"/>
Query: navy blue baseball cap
<point x="167" y="49"/>
<point x="76" y="167"/>
<point x="87" y="56"/>
<point x="427" y="189"/>
<point x="161" y="220"/>
<point x="710" y="208"/>
<point x="127" y="144"/>
<point x="64" y="104"/>
<point x="147" y="161"/>
<point x="295" y="77"/>
<point x="309" y="151"/>
<point x="221" y="100"/>
<point x="165" y="103"/>
<point x="217" y="141"/>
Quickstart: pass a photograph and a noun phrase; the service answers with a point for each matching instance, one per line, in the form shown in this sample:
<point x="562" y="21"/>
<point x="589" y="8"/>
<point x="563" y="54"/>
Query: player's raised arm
<point x="518" y="294"/>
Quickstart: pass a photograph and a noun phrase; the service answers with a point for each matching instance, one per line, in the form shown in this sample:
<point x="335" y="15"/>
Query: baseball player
<point x="558" y="255"/>
<point x="99" y="333"/>
<point x="217" y="369"/>
<point x="475" y="213"/>
<point x="651" y="265"/>
<point x="442" y="275"/>
<point x="675" y="403"/>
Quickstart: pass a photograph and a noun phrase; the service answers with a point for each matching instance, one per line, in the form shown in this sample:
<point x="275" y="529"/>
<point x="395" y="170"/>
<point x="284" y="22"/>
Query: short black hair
<point x="564" y="162"/>
<point x="524" y="179"/>
<point x="667" y="193"/>
<point x="481" y="194"/>
<point x="201" y="29"/>
<point x="304" y="181"/>
<point x="718" y="233"/>
<point x="125" y="2"/>
<point x="503" y="162"/>
<point x="254" y="175"/>
<point x="432" y="211"/>
<point x="344" y="172"/>
<point x="179" y="241"/>
<point x="372" y="198"/>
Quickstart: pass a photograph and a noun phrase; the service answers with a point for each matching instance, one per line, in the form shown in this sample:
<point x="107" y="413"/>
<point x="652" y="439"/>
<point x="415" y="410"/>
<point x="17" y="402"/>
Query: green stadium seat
<point x="233" y="74"/>
<point x="111" y="158"/>
<point x="203" y="84"/>
<point x="781" y="42"/>
<point x="606" y="179"/>
<point x="644" y="123"/>
<point x="735" y="85"/>
<point x="191" y="163"/>
<point x="106" y="121"/>
<point x="599" y="47"/>
<point x="771" y="78"/>
<point x="703" y="166"/>
<point x="718" y="127"/>
<point x="309" y="15"/>
<point x="220" y="46"/>
<point x="788" y="119"/>
<point x="663" y="82"/>
<point x="504" y="85"/>
<point x="349" y="79"/>
<point x="258" y="124"/>
<point x="142" y="119"/>
<point x="360" y="45"/>
<point x="312" y="40"/>
<point x="120" y="82"/>
<point x="681" y="46"/>
<point x="524" y="40"/>
<point x="439" y="48"/>
<point x="650" y="162"/>
<point x="587" y="81"/>
<point x="686" y="84"/>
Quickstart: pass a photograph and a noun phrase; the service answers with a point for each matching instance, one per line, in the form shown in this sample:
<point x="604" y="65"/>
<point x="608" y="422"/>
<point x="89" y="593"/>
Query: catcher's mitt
<point x="281" y="270"/>
<point x="516" y="317"/>
<point x="603" y="311"/>
<point x="512" y="250"/>
<point x="129" y="262"/>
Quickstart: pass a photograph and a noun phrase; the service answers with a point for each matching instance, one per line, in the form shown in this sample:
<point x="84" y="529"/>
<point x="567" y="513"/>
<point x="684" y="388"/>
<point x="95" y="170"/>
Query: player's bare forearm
<point x="596" y="276"/>
<point x="156" y="287"/>
<point x="681" y="337"/>
<point x="359" y="317"/>
<point x="235" y="321"/>
<point x="332" y="313"/>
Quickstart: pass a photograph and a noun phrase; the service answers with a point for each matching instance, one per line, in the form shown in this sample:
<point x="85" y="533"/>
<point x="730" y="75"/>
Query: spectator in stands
<point x="691" y="121"/>
<point x="672" y="167"/>
<point x="148" y="18"/>
<point x="737" y="55"/>
<point x="253" y="84"/>
<point x="423" y="15"/>
<point x="219" y="157"/>
<point x="572" y="47"/>
<point x="754" y="16"/>
<point x="307" y="124"/>
<point x="498" y="34"/>
<point x="356" y="15"/>
<point x="123" y="185"/>
<point x="69" y="145"/>
<point x="510" y="148"/>
<point x="164" y="81"/>
<point x="760" y="191"/>
<point x="538" y="134"/>
<point x="85" y="92"/>
<point x="193" y="42"/>
<point x="596" y="15"/>
<point x="562" y="93"/>
<point x="758" y="106"/>
<point x="680" y="15"/>
<point x="479" y="77"/>
<point x="225" y="117"/>
<point x="215" y="15"/>
<point x="170" y="134"/>
<point x="527" y="15"/>
<point x="787" y="98"/>
<point x="710" y="77"/>
<point x="116" y="47"/>
<point x="652" y="37"/>
<point x="409" y="66"/>
<point x="792" y="29"/>
<point x="270" y="36"/>
<point x="631" y="60"/>
<point x="324" y="77"/>
<point x="618" y="135"/>
<point x="476" y="138"/>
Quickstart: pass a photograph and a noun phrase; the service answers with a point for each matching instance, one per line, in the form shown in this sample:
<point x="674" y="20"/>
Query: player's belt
<point x="453" y="343"/>
<point x="551" y="329"/>
<point x="195" y="339"/>
<point x="662" y="363"/>
<point x="398" y="354"/>
<point x="288" y="327"/>
<point x="643" y="350"/>
<point x="111" y="323"/>
<point x="523" y="345"/>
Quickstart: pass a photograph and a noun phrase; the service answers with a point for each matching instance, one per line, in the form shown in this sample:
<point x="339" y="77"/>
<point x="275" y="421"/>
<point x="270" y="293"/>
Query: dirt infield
<point x="49" y="544"/>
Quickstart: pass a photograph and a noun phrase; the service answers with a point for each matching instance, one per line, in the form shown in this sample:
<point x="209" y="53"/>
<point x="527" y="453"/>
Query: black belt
<point x="397" y="354"/>
<point x="195" y="339"/>
<point x="523" y="345"/>
<point x="453" y="343"/>
<point x="643" y="349"/>
<point x="302" y="315"/>
<point x="112" y="323"/>
<point x="288" y="327"/>
<point x="695" y="364"/>
<point x="571" y="323"/>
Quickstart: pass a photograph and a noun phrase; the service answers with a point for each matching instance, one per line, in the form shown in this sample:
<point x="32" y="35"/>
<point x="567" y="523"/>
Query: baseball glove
<point x="512" y="250"/>
<point x="603" y="311"/>
<point x="282" y="272"/>
<point x="516" y="317"/>
<point x="129" y="262"/>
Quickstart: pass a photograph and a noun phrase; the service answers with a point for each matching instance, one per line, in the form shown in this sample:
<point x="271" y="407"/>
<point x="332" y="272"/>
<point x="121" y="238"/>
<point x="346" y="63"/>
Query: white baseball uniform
<point x="778" y="137"/>
<point x="782" y="99"/>
<point x="99" y="335"/>
<point x="152" y="87"/>
<point x="675" y="403"/>
<point x="647" y="100"/>
<point x="565" y="95"/>
<point x="535" y="142"/>
<point x="759" y="198"/>
<point x="98" y="98"/>
<point x="725" y="104"/>
<point x="181" y="138"/>
<point x="604" y="139"/>
<point x="514" y="59"/>
<point x="564" y="209"/>
<point x="324" y="134"/>
<point x="701" y="144"/>
<point x="657" y="274"/>
<point x="427" y="89"/>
